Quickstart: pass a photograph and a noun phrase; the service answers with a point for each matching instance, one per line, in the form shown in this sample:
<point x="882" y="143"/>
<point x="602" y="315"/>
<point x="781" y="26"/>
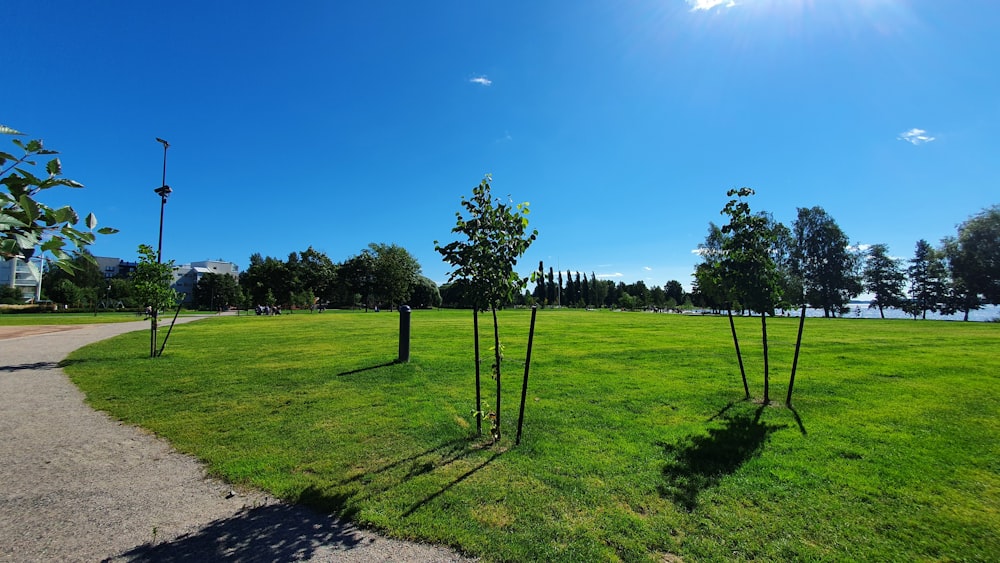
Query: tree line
<point x="812" y="263"/>
<point x="577" y="290"/>
<point x="381" y="275"/>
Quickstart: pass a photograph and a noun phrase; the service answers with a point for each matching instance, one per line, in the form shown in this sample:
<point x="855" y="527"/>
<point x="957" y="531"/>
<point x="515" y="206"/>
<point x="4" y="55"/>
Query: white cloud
<point x="915" y="136"/>
<point x="647" y="268"/>
<point x="706" y="5"/>
<point x="481" y="80"/>
<point x="614" y="275"/>
<point x="859" y="247"/>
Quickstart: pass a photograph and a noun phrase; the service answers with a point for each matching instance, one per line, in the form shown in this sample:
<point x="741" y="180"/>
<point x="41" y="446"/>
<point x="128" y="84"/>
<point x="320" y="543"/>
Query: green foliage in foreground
<point x="636" y="442"/>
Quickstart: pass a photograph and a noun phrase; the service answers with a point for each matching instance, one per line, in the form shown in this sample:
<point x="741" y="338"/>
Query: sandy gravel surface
<point x="76" y="485"/>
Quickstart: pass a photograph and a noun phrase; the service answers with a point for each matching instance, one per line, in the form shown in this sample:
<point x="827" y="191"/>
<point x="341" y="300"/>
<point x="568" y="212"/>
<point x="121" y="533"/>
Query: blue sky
<point x="336" y="124"/>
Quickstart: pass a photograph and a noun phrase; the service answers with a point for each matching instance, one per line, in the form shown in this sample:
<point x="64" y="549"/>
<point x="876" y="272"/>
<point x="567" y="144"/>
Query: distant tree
<point x="598" y="291"/>
<point x="626" y="301"/>
<point x="974" y="260"/>
<point x="584" y="290"/>
<point x="25" y="222"/>
<point x="65" y="292"/>
<point x="455" y="295"/>
<point x="215" y="291"/>
<point x="884" y="279"/>
<point x="551" y="289"/>
<point x="658" y="297"/>
<point x="316" y="273"/>
<point x="559" y="290"/>
<point x="674" y="290"/>
<point x="572" y="293"/>
<point x="395" y="272"/>
<point x="266" y="275"/>
<point x="494" y="235"/>
<point x="358" y="274"/>
<point x="928" y="280"/>
<point x="425" y="293"/>
<point x="707" y="275"/>
<point x="11" y="296"/>
<point x="121" y="292"/>
<point x="822" y="260"/>
<point x="82" y="271"/>
<point x="611" y="294"/>
<point x="151" y="288"/>
<point x="304" y="299"/>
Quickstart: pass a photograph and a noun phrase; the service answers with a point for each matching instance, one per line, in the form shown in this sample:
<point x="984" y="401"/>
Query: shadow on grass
<point x="699" y="462"/>
<point x="278" y="532"/>
<point x="454" y="482"/>
<point x="372" y="482"/>
<point x="798" y="420"/>
<point x="369" y="368"/>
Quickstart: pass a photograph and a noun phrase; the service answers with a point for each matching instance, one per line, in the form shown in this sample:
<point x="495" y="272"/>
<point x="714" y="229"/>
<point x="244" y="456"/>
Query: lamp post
<point x="163" y="191"/>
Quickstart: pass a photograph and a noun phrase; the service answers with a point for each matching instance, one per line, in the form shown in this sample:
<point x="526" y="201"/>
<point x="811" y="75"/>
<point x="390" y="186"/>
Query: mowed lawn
<point x="637" y="442"/>
<point x="36" y="319"/>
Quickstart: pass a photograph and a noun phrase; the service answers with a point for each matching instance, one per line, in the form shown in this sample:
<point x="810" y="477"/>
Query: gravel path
<point x="76" y="485"/>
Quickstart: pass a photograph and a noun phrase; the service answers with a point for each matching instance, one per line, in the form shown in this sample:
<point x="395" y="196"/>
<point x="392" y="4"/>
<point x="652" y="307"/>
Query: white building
<point x="186" y="276"/>
<point x="16" y="273"/>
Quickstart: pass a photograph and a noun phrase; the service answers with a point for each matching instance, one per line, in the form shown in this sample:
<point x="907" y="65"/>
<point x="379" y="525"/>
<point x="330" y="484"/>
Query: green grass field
<point x="637" y="441"/>
<point x="34" y="319"/>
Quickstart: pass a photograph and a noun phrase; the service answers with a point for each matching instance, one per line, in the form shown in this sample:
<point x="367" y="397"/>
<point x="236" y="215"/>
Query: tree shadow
<point x="277" y="532"/>
<point x="798" y="420"/>
<point x="369" y="368"/>
<point x="379" y="480"/>
<point x="700" y="462"/>
<point x="30" y="367"/>
<point x="451" y="484"/>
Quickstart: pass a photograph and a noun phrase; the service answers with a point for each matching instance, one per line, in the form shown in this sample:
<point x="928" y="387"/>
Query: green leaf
<point x="65" y="182"/>
<point x="8" y="248"/>
<point x="9" y="221"/>
<point x="54" y="167"/>
<point x="91" y="221"/>
<point x="30" y="208"/>
<point x="9" y="131"/>
<point x="53" y="244"/>
<point x="31" y="178"/>
<point x="107" y="231"/>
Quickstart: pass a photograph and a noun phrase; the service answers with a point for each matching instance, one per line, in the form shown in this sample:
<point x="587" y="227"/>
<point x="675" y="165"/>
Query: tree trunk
<point x="881" y="312"/>
<point x="152" y="335"/>
<point x="739" y="356"/>
<point x="496" y="357"/>
<point x="479" y="400"/>
<point x="763" y="331"/>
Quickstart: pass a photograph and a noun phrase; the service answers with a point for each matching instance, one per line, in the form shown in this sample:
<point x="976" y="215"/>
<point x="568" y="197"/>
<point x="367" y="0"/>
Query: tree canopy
<point x="823" y="261"/>
<point x="25" y="222"/>
<point x="884" y="279"/>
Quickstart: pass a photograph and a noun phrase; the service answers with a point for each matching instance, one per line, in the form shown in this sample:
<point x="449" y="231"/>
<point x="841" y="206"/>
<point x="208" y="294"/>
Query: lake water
<point x="859" y="309"/>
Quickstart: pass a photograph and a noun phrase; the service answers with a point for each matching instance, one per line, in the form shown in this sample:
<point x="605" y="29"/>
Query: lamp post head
<point x="165" y="144"/>
<point x="163" y="191"/>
